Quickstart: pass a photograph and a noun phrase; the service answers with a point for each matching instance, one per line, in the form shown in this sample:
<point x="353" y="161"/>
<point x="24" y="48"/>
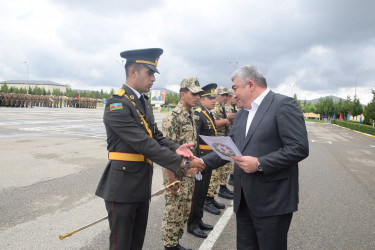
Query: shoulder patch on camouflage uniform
<point x="119" y="92"/>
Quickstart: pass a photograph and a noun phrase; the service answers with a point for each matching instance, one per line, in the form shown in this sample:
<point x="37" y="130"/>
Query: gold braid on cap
<point x="211" y="93"/>
<point x="149" y="62"/>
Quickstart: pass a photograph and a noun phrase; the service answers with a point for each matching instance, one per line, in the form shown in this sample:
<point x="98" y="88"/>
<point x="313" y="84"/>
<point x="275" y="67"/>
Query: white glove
<point x="198" y="176"/>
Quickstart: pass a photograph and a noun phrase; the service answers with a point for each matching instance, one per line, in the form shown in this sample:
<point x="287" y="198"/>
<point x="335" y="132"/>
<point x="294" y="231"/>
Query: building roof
<point x="36" y="82"/>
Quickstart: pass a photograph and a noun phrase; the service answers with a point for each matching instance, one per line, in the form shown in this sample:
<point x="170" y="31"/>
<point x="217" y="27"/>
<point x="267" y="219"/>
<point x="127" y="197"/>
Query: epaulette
<point x="198" y="109"/>
<point x="119" y="92"/>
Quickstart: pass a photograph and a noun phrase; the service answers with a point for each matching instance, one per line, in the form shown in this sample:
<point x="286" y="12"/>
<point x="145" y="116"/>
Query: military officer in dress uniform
<point x="134" y="142"/>
<point x="180" y="127"/>
<point x="205" y="126"/>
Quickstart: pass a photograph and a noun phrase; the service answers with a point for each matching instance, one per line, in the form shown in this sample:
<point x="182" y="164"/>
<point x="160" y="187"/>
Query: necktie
<point x="143" y="103"/>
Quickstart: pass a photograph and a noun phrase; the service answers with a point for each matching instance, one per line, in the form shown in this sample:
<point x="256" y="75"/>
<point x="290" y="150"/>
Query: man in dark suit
<point x="134" y="142"/>
<point x="271" y="135"/>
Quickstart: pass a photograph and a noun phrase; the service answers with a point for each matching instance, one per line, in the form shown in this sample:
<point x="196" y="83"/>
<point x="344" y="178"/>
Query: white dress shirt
<point x="135" y="91"/>
<point x="253" y="109"/>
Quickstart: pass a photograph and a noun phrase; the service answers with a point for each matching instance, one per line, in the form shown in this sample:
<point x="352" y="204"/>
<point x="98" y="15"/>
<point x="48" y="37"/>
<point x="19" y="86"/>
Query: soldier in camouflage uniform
<point x="179" y="126"/>
<point x="219" y="176"/>
<point x="1" y="98"/>
<point x="233" y="107"/>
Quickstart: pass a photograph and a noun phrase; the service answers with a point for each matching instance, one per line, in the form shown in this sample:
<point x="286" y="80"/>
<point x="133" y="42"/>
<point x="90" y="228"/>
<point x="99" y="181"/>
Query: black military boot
<point x="210" y="207"/>
<point x="230" y="181"/>
<point x="224" y="192"/>
<point x="218" y="204"/>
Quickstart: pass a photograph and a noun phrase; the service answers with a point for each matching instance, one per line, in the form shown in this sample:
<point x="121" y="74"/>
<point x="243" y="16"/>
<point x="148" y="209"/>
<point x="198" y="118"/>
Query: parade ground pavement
<point x="51" y="160"/>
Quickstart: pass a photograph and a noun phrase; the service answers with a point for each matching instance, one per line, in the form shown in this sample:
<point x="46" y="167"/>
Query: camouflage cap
<point x="230" y="92"/>
<point x="222" y="90"/>
<point x="192" y="84"/>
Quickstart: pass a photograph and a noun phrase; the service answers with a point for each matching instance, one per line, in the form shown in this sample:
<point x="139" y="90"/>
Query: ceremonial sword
<point x="173" y="184"/>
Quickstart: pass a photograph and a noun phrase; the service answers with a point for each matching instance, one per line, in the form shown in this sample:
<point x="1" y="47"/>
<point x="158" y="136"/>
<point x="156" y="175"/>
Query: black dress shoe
<point x="218" y="204"/>
<point x="178" y="247"/>
<point x="230" y="181"/>
<point x="204" y="226"/>
<point x="196" y="231"/>
<point x="210" y="207"/>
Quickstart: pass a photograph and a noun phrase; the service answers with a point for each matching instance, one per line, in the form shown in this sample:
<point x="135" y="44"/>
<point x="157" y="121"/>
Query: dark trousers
<point x="199" y="197"/>
<point x="264" y="233"/>
<point x="127" y="222"/>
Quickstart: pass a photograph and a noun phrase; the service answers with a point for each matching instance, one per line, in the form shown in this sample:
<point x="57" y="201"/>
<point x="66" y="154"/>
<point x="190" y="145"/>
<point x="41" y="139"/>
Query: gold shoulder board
<point x="119" y="92"/>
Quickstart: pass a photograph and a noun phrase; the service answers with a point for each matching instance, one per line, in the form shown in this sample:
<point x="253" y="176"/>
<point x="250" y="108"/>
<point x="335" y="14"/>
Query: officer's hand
<point x="197" y="165"/>
<point x="184" y="150"/>
<point x="174" y="189"/>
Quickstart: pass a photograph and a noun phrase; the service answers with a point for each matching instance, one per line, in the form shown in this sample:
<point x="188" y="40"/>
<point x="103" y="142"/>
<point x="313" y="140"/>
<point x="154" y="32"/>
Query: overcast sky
<point x="313" y="48"/>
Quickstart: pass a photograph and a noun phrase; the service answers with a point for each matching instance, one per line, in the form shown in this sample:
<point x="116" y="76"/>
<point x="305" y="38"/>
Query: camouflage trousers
<point x="176" y="211"/>
<point x="219" y="177"/>
<point x="229" y="169"/>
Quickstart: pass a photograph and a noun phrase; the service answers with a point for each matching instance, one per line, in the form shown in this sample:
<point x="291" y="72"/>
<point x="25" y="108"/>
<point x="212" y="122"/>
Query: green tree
<point x="171" y="98"/>
<point x="298" y="101"/>
<point x="356" y="108"/>
<point x="22" y="91"/>
<point x="347" y="106"/>
<point x="309" y="108"/>
<point x="325" y="106"/>
<point x="369" y="111"/>
<point x="4" y="88"/>
<point x="57" y="92"/>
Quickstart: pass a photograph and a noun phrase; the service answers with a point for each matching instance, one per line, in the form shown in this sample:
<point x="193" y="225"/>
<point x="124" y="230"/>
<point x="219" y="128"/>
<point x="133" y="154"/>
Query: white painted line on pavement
<point x="322" y="141"/>
<point x="209" y="242"/>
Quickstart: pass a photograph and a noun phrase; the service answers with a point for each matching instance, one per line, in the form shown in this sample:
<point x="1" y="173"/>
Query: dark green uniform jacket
<point x="129" y="181"/>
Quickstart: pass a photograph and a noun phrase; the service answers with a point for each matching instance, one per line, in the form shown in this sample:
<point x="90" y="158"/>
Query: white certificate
<point x="223" y="146"/>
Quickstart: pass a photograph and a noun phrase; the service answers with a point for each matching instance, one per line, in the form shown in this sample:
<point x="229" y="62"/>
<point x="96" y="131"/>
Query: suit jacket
<point x="278" y="137"/>
<point x="125" y="181"/>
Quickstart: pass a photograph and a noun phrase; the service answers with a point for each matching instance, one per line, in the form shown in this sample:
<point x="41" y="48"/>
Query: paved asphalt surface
<point x="51" y="161"/>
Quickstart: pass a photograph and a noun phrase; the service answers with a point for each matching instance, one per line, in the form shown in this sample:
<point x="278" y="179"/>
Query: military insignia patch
<point x="196" y="117"/>
<point x="115" y="106"/>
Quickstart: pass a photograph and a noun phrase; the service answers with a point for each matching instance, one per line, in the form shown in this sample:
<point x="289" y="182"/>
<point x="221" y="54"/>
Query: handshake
<point x="190" y="164"/>
<point x="193" y="165"/>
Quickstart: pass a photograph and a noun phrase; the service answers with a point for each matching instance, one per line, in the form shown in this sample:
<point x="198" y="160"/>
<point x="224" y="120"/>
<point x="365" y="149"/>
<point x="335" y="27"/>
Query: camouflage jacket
<point x="179" y="126"/>
<point x="218" y="114"/>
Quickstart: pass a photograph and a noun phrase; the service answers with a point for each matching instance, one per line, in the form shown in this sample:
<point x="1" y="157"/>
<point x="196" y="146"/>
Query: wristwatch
<point x="186" y="164"/>
<point x="259" y="168"/>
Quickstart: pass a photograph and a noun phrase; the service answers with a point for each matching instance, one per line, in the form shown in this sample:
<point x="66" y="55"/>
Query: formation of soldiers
<point x="82" y="102"/>
<point x="52" y="101"/>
